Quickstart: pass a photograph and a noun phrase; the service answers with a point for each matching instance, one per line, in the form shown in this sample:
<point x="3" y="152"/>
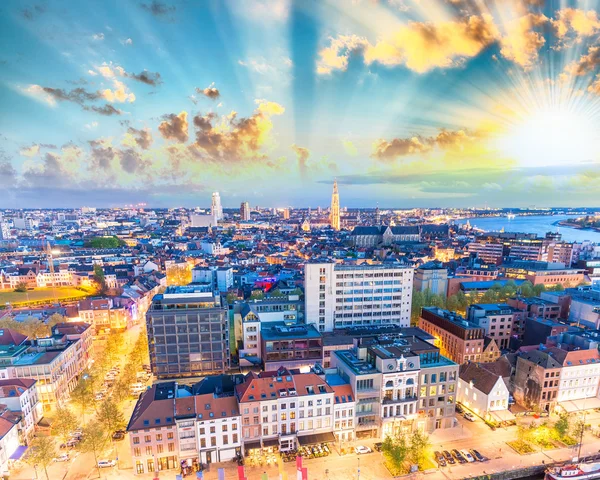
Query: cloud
<point x="31" y="13"/>
<point x="453" y="140"/>
<point x="210" y="91"/>
<point x="106" y="110"/>
<point x="175" y="127"/>
<point x="586" y="64"/>
<point x="118" y="94"/>
<point x="522" y="43"/>
<point x="131" y="161"/>
<point x="127" y="41"/>
<point x="350" y="148"/>
<point x="230" y="138"/>
<point x="419" y="46"/>
<point x="143" y="138"/>
<point x="111" y="71"/>
<point x="573" y="25"/>
<point x="98" y="36"/>
<point x="53" y="95"/>
<point x="158" y="9"/>
<point x="492" y="186"/>
<point x="149" y="78"/>
<point x="594" y="87"/>
<point x="31" y="151"/>
<point x="91" y="125"/>
<point x="101" y="155"/>
<point x="302" y="154"/>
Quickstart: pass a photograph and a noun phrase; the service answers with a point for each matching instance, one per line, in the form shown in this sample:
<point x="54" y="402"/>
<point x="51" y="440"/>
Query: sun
<point x="549" y="136"/>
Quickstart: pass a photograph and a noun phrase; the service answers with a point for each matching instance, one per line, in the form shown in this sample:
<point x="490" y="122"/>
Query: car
<point x="76" y="433"/>
<point x="469" y="416"/>
<point x="459" y="408"/>
<point x="99" y="396"/>
<point x="449" y="458"/>
<point x="73" y="442"/>
<point x="459" y="456"/>
<point x="64" y="457"/>
<point x="468" y="457"/>
<point x="118" y="435"/>
<point x="378" y="446"/>
<point x="362" y="449"/>
<point x="106" y="463"/>
<point x="478" y="456"/>
<point x="439" y="458"/>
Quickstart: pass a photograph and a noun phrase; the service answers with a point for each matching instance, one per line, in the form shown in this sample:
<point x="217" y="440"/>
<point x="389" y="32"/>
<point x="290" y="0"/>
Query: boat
<point x="578" y="471"/>
<point x="511" y="216"/>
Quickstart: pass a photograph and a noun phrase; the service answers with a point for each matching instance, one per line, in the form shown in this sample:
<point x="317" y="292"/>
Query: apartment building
<point x="20" y="396"/>
<point x="536" y="380"/>
<point x="458" y="339"/>
<point x="343" y="411"/>
<point x="104" y="315"/>
<point x="579" y="376"/>
<point x="343" y="295"/>
<point x="290" y="346"/>
<point x="497" y="320"/>
<point x="54" y="362"/>
<point x="188" y="333"/>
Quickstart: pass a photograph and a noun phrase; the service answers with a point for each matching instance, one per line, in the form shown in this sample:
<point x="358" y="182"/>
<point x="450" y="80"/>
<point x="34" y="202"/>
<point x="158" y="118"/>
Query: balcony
<point x="391" y="401"/>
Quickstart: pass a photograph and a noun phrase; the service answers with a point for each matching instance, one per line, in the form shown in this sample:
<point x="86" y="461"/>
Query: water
<point x="538" y="224"/>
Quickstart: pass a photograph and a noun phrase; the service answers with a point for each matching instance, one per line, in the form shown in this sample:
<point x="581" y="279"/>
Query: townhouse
<point x="20" y="396"/>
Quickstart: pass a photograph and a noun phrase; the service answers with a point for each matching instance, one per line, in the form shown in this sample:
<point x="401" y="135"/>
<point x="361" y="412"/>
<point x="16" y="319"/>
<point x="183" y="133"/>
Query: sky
<point x="450" y="103"/>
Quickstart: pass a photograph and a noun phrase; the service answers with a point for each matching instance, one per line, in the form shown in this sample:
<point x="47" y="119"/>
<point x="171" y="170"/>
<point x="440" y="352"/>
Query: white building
<point x="339" y="296"/>
<point x="9" y="443"/>
<point x="218" y="427"/>
<point x="213" y="248"/>
<point x="580" y="374"/>
<point x="483" y="393"/>
<point x="208" y="220"/>
<point x="20" y="395"/>
<point x="216" y="208"/>
<point x="343" y="413"/>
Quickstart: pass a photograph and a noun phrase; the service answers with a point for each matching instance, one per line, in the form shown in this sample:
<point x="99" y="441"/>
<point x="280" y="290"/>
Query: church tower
<point x="334" y="211"/>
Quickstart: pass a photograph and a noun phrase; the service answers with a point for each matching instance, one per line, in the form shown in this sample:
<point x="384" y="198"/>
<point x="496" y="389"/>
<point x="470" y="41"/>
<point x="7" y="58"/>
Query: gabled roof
<point x="155" y="408"/>
<point x="343" y="394"/>
<point x="482" y="379"/>
<point x="11" y="337"/>
<point x="209" y="407"/>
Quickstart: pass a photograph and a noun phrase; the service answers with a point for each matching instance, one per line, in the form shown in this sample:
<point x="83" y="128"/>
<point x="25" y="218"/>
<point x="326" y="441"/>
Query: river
<point x="538" y="224"/>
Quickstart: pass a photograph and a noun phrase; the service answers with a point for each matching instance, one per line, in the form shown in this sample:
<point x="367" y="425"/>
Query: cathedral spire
<point x="334" y="211"/>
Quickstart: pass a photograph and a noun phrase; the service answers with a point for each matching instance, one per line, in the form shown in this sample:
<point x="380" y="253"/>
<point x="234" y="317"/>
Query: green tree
<point x="257" y="295"/>
<point x="54" y="319"/>
<point x="561" y="427"/>
<point x="21" y="287"/>
<point x="418" y="448"/>
<point x="556" y="288"/>
<point x="103" y="242"/>
<point x="111" y="416"/>
<point x="578" y="429"/>
<point x="64" y="422"/>
<point x="94" y="440"/>
<point x="526" y="289"/>
<point x="113" y="347"/>
<point x="100" y="280"/>
<point x="120" y="391"/>
<point x="452" y="303"/>
<point x="41" y="453"/>
<point x="34" y="328"/>
<point x="395" y="451"/>
<point x="83" y="393"/>
<point x="538" y="289"/>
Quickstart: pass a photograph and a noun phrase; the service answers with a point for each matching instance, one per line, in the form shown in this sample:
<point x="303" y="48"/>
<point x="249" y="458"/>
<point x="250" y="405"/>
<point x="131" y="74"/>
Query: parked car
<point x="63" y="457"/>
<point x="73" y="442"/>
<point x="76" y="433"/>
<point x="469" y="416"/>
<point x="118" y="435"/>
<point x="378" y="446"/>
<point x="106" y="463"/>
<point x="362" y="449"/>
<point x="459" y="456"/>
<point x="478" y="456"/>
<point x="439" y="458"/>
<point x="459" y="408"/>
<point x="99" y="396"/>
<point x="468" y="457"/>
<point x="448" y="456"/>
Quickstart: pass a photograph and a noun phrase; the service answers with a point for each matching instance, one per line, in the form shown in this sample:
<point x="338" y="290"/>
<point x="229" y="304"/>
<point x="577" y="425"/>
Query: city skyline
<point x="406" y="103"/>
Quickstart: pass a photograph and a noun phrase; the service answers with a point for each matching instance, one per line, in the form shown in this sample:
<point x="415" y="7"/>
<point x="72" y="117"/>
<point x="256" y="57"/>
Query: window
<point x="169" y="435"/>
<point x="213" y="441"/>
<point x="147" y="438"/>
<point x="212" y="429"/>
<point x="234" y="438"/>
<point x="171" y="447"/>
<point x="136" y="440"/>
<point x="159" y="448"/>
<point x="149" y="450"/>
<point x="225" y="440"/>
<point x="137" y="452"/>
<point x="202" y="443"/>
<point x="159" y="437"/>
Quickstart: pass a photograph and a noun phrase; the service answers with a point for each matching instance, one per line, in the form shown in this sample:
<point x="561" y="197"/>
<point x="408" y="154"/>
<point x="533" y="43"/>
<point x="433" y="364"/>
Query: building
<point x="343" y="410"/>
<point x="152" y="431"/>
<point x="286" y="213"/>
<point x="104" y="315"/>
<point x="9" y="442"/>
<point x="484" y="393"/>
<point x="344" y="295"/>
<point x="432" y="276"/>
<point x="245" y="211"/>
<point x="537" y="330"/>
<point x="21" y="397"/>
<point x="457" y="338"/>
<point x="219" y="278"/>
<point x="216" y="209"/>
<point x="536" y="380"/>
<point x="55" y="362"/>
<point x="497" y="320"/>
<point x="334" y="212"/>
<point x="188" y="333"/>
<point x="384" y="235"/>
<point x="542" y="273"/>
<point x="290" y="345"/>
<point x="203" y="221"/>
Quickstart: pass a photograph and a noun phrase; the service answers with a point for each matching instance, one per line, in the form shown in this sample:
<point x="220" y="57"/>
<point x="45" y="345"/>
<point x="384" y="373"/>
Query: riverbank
<point x="568" y="224"/>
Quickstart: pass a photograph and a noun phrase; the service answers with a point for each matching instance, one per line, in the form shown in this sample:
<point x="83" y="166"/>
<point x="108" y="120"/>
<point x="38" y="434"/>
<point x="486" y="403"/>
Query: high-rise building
<point x="339" y="295"/>
<point x="188" y="333"/>
<point x="334" y="212"/>
<point x="216" y="208"/>
<point x="286" y="213"/>
<point x="245" y="211"/>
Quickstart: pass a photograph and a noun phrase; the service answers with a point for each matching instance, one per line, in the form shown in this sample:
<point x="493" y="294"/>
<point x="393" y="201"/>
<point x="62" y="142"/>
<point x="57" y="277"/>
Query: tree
<point x="257" y="295"/>
<point x="94" y="440"/>
<point x="34" y="328"/>
<point x="578" y="429"/>
<point x="526" y="289"/>
<point x="395" y="451"/>
<point x="21" y="287"/>
<point x="83" y="393"/>
<point x="418" y="448"/>
<point x="64" y="422"/>
<point x="179" y="275"/>
<point x="104" y="242"/>
<point x="100" y="280"/>
<point x="111" y="416"/>
<point x="114" y="345"/>
<point x="54" y="319"/>
<point x="538" y="289"/>
<point x="561" y="426"/>
<point x="120" y="391"/>
<point x="42" y="453"/>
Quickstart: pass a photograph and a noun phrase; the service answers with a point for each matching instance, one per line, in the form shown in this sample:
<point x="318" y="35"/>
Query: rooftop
<point x="358" y="366"/>
<point x="280" y="330"/>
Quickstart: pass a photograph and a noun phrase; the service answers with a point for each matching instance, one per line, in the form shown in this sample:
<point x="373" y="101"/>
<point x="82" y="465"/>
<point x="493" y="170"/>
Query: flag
<point x="178" y="477"/>
<point x="241" y="473"/>
<point x="305" y="474"/>
<point x="264" y="476"/>
<point x="221" y="474"/>
<point x="199" y="475"/>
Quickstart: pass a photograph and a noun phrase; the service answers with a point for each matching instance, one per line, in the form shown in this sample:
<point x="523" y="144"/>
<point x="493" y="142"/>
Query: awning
<point x="580" y="405"/>
<point x="502" y="415"/>
<point x="327" y="437"/>
<point x="271" y="442"/>
<point x="252" y="446"/>
<point x="18" y="453"/>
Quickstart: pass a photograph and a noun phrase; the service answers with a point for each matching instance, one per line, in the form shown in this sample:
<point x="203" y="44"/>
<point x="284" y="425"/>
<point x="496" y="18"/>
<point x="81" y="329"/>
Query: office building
<point x="245" y="211"/>
<point x="499" y="321"/>
<point x="344" y="295"/>
<point x="188" y="333"/>
<point x="290" y="346"/>
<point x="216" y="208"/>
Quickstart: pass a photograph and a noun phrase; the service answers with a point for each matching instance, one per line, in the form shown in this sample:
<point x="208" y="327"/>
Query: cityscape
<point x="283" y="239"/>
